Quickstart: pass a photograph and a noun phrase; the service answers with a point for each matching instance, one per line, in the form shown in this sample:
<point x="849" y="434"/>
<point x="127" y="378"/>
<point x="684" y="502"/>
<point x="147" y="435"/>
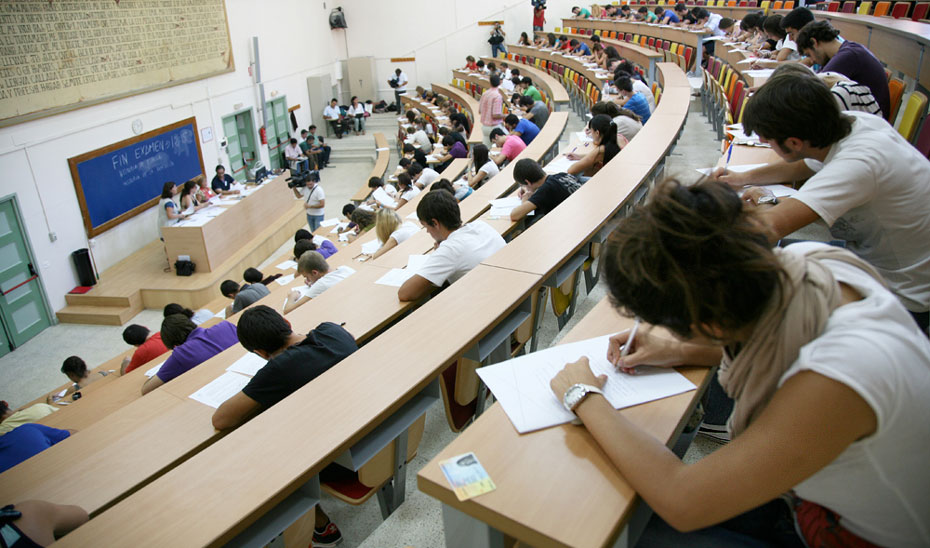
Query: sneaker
<point x="716" y="432"/>
<point x="329" y="536"/>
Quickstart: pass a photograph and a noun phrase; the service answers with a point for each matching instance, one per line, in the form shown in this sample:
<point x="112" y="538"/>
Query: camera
<point x="539" y="4"/>
<point x="301" y="179"/>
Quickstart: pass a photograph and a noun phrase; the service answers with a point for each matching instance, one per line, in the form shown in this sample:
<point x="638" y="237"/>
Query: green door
<point x="246" y="129"/>
<point x="236" y="165"/>
<point x="276" y="130"/>
<point x="23" y="313"/>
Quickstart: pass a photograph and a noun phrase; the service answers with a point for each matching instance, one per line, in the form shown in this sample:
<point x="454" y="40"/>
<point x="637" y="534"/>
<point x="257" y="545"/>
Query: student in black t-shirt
<point x="540" y="193"/>
<point x="293" y="361"/>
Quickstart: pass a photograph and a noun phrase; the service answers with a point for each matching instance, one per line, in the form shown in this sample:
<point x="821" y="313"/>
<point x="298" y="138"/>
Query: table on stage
<point x="218" y="239"/>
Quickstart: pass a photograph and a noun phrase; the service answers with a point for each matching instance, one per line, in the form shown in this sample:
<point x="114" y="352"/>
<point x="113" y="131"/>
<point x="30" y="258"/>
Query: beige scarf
<point x="810" y="294"/>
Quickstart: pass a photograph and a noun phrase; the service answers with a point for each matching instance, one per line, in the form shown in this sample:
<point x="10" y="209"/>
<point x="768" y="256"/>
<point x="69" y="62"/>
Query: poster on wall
<point x="67" y="54"/>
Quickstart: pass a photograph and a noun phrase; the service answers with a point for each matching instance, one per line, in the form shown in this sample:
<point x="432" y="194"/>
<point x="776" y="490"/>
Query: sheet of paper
<point x="151" y="372"/>
<point x="318" y="240"/>
<point x="413" y="216"/>
<point x="415" y="262"/>
<point x="716" y="38"/>
<point x="559" y="165"/>
<point x="221" y="314"/>
<point x="284" y="280"/>
<point x="381" y="196"/>
<point x="500" y="212"/>
<point x="248" y="364"/>
<point x="221" y="389"/>
<point x="510" y="201"/>
<point x="521" y="385"/>
<point x="287" y="265"/>
<point x="338" y="226"/>
<point x="371" y="246"/>
<point x="329" y="222"/>
<point x="745" y="61"/>
<point x="344" y="237"/>
<point x="395" y="277"/>
<point x="736" y="169"/>
<point x="760" y="73"/>
<point x="780" y="191"/>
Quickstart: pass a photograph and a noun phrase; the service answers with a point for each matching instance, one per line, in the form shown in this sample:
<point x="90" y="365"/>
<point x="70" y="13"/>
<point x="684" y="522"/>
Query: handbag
<point x="184" y="268"/>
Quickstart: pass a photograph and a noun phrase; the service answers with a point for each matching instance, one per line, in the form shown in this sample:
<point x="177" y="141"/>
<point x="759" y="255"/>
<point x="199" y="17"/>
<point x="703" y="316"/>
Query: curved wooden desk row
<point x="382" y="159"/>
<point x="553" y="89"/>
<point x="122" y="451"/>
<point x="643" y="57"/>
<point x="318" y="422"/>
<point x="531" y="511"/>
<point x="585" y="84"/>
<point x="466" y="104"/>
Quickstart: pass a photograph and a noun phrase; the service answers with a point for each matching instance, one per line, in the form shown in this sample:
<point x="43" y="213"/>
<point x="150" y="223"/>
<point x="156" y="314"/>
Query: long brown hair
<point x="692" y="260"/>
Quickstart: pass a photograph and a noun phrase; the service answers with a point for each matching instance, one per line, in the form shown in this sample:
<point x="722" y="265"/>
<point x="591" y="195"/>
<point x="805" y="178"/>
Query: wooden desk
<point x="587" y="502"/>
<point x="636" y="54"/>
<point x="469" y="105"/>
<point x="732" y="57"/>
<point x="323" y="418"/>
<point x="382" y="159"/>
<point x="577" y="66"/>
<point x="211" y="244"/>
<point x="901" y="44"/>
<point x="737" y="13"/>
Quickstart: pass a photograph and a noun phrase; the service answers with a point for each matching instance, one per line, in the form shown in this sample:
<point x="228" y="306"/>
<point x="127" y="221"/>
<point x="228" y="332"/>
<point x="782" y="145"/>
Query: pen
<point x="729" y="153"/>
<point x="629" y="341"/>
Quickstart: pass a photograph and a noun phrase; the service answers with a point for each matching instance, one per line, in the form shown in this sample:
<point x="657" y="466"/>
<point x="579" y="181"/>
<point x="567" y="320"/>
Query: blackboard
<point x="119" y="181"/>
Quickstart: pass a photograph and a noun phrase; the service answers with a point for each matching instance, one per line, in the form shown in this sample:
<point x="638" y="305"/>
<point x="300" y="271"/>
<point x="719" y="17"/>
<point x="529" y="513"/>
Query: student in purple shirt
<point x="190" y="346"/>
<point x="326" y="247"/>
<point x="819" y="41"/>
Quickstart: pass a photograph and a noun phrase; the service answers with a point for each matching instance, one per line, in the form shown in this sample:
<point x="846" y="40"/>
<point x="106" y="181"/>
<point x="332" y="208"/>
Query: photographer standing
<point x="497" y="41"/>
<point x="539" y="14"/>
<point x="310" y="191"/>
<point x="399" y="83"/>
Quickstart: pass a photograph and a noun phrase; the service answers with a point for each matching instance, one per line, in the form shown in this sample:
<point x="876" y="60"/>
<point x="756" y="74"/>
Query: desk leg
<point x="464" y="531"/>
<point x="540" y="301"/>
<point x="698" y="56"/>
<point x="392" y="494"/>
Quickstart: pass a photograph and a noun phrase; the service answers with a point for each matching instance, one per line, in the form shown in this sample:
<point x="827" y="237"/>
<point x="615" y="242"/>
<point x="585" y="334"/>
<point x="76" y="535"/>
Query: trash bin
<point x="85" y="270"/>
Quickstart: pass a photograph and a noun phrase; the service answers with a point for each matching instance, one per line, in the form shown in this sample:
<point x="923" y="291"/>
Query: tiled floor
<point x="33" y="369"/>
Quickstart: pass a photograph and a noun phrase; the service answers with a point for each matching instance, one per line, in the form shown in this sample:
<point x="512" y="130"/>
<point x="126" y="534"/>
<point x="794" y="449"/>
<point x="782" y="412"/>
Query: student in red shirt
<point x="539" y="16"/>
<point x="147" y="348"/>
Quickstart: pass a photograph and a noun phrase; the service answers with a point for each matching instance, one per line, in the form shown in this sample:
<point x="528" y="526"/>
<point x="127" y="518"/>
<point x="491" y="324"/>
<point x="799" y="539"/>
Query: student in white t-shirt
<point x="459" y="248"/>
<point x="422" y="176"/>
<point x="316" y="272"/>
<point x="873" y="189"/>
<point x="391" y="230"/>
<point x="314" y="200"/>
<point x="829" y="374"/>
<point x="785" y="48"/>
<point x="483" y="165"/>
<point x="406" y="189"/>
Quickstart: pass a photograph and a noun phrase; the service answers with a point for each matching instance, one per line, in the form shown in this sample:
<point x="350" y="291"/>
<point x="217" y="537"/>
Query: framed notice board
<point x="119" y="181"/>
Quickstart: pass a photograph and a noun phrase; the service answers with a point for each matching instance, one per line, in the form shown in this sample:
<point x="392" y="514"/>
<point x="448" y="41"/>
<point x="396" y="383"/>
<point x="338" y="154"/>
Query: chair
<point x="765" y="5"/>
<point x="789" y="5"/>
<point x="923" y="139"/>
<point x="689" y="54"/>
<point x="744" y="3"/>
<point x="888" y="74"/>
<point x="864" y="8"/>
<point x="731" y="3"/>
<point x="920" y="11"/>
<point x="881" y="9"/>
<point x="900" y="9"/>
<point x="833" y="6"/>
<point x="849" y="7"/>
<point x="777" y="5"/>
<point x="895" y="91"/>
<point x="914" y="112"/>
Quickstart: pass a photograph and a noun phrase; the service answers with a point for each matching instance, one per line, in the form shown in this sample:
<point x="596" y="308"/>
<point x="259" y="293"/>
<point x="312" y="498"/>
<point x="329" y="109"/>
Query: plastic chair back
<point x="923" y="139"/>
<point x="895" y="90"/>
<point x="900" y="9"/>
<point x="920" y="11"/>
<point x="849" y="7"/>
<point x="881" y="8"/>
<point x="833" y="6"/>
<point x="789" y="5"/>
<point x="864" y="8"/>
<point x="915" y="110"/>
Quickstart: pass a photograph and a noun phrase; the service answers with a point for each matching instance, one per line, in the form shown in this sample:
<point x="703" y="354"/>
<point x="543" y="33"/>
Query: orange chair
<point x="881" y="9"/>
<point x="777" y="5"/>
<point x="789" y="5"/>
<point x="895" y="91"/>
<point x="900" y="9"/>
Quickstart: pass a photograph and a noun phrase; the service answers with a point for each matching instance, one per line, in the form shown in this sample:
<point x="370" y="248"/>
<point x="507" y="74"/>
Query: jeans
<point x="359" y="122"/>
<point x="400" y="105"/>
<point x="498" y="48"/>
<point x="768" y="526"/>
<point x="337" y="127"/>
<point x="324" y="156"/>
<point x="314" y="221"/>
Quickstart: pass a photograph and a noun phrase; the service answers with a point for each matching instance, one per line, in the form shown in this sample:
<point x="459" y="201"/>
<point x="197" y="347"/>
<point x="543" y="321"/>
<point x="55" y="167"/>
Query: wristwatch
<point x="576" y="394"/>
<point x="767" y="199"/>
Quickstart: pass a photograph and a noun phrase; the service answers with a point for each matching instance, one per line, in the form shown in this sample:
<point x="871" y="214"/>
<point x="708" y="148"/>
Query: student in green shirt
<point x="581" y="12"/>
<point x="647" y="15"/>
<point x="531" y="90"/>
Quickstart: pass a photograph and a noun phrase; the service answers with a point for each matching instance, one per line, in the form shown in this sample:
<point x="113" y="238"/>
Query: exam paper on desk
<point x="284" y="280"/>
<point x="318" y="240"/>
<point x="151" y="372"/>
<point x="221" y="389"/>
<point x="338" y="226"/>
<point x="382" y="197"/>
<point x="287" y="265"/>
<point x="735" y="169"/>
<point x="396" y="277"/>
<point x="329" y="222"/>
<point x="521" y="385"/>
<point x="559" y="165"/>
<point x="371" y="246"/>
<point x="248" y="364"/>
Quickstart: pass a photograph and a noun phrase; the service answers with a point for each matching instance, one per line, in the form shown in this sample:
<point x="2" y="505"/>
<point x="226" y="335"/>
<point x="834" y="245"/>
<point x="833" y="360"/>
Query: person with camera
<point x="497" y="40"/>
<point x="539" y="14"/>
<point x="306" y="187"/>
<point x="399" y="83"/>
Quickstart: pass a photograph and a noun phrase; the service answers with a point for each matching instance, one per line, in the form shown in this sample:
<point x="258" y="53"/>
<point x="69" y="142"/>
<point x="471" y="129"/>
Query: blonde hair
<point x="310" y="261"/>
<point x="386" y="222"/>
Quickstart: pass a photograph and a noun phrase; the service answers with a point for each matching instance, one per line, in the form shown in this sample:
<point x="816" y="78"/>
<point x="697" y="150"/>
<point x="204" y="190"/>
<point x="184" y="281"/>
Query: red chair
<point x="689" y="53"/>
<point x="743" y="3"/>
<point x="920" y="11"/>
<point x="900" y="9"/>
<point x="833" y="6"/>
<point x="923" y="139"/>
<point x="651" y="42"/>
<point x="849" y="7"/>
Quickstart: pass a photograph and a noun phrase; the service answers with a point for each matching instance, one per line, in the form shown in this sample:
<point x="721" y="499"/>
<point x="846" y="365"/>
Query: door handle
<point x="32" y="270"/>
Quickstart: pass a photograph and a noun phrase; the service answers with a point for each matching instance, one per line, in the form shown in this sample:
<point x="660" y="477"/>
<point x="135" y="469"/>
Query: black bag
<point x="392" y="82"/>
<point x="496" y="39"/>
<point x="184" y="268"/>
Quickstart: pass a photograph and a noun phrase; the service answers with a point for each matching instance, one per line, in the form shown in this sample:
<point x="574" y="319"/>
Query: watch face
<point x="573" y="395"/>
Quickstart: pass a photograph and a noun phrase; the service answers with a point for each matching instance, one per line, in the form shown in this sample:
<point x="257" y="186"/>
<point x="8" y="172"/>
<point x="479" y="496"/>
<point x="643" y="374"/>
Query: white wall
<point x="33" y="155"/>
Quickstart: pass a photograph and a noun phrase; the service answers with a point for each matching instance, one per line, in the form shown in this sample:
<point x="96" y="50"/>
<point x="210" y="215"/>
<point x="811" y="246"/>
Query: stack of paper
<point x="221" y="389"/>
<point x="761" y="73"/>
<point x="522" y="387"/>
<point x="395" y="277"/>
<point x="318" y="240"/>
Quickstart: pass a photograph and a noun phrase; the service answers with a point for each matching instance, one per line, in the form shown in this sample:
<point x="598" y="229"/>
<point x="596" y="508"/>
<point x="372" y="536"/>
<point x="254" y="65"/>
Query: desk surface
<point x="672" y="34"/>
<point x="468" y="103"/>
<point x="326" y="416"/>
<point x="550" y="84"/>
<point x="587" y="502"/>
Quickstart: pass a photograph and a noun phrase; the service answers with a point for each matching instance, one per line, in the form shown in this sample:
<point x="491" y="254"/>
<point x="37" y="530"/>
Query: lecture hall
<point x="641" y="273"/>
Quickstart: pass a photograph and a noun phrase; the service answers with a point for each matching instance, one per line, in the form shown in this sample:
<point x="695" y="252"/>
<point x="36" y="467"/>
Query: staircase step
<point x="97" y="300"/>
<point x="98" y="315"/>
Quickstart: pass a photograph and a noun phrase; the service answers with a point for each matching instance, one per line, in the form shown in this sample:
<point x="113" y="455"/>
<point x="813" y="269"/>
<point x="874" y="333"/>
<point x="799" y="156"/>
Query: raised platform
<point x="139" y="282"/>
